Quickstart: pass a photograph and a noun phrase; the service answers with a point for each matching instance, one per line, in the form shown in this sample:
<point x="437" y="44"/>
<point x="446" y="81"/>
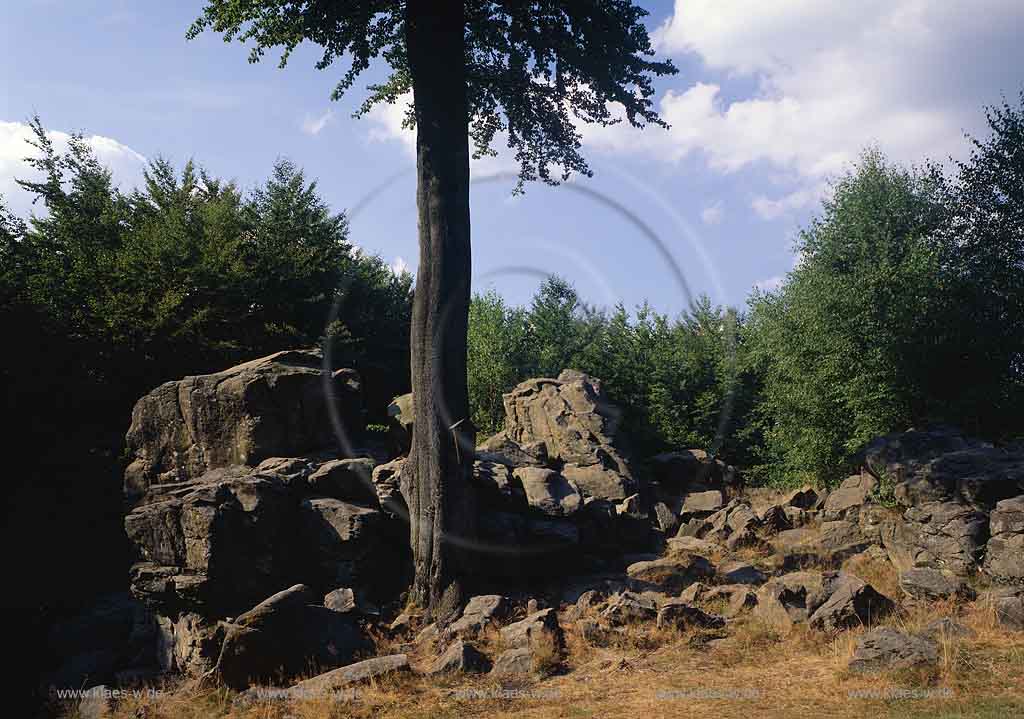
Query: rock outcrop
<point x="275" y="406"/>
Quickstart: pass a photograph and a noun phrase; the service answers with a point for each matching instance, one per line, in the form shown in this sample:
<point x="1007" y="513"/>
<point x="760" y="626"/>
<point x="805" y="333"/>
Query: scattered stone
<point x="460" y="657"/>
<point x="931" y="584"/>
<point x="851" y="602"/>
<point x="887" y="648"/>
<point x="804" y="498"/>
<point x="665" y="519"/>
<point x="947" y="628"/>
<point x="790" y="599"/>
<point x="516" y="661"/>
<point x="344" y="600"/>
<point x="703" y="502"/>
<point x="1008" y="605"/>
<point x="629" y="608"/>
<point x="671" y="574"/>
<point x="740" y="598"/>
<point x="846" y="501"/>
<point x="681" y="614"/>
<point x="323" y="684"/>
<point x="736" y="572"/>
<point x="692" y="545"/>
<point x="284" y="635"/>
<point x="539" y="628"/>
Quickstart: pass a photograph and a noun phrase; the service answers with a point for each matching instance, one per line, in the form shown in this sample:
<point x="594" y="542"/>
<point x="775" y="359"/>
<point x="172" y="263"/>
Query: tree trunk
<point x="440" y="461"/>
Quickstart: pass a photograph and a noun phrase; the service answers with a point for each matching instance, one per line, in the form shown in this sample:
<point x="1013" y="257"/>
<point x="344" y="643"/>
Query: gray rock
<point x="345" y="479"/>
<point x="942" y="535"/>
<point x="387" y="483"/>
<point x="345" y="599"/>
<point x="887" y="648"/>
<point x="497" y="484"/>
<point x="846" y="501"/>
<point x="851" y="602"/>
<point x="1004" y="553"/>
<point x="216" y="545"/>
<point x="323" y="684"/>
<point x="703" y="502"/>
<point x="462" y="658"/>
<point x="790" y="599"/>
<point x="681" y="614"/>
<point x="598" y="482"/>
<point x="740" y="597"/>
<point x="480" y="611"/>
<point x="692" y="545"/>
<point x="946" y="628"/>
<point x="347" y="544"/>
<point x="284" y="635"/>
<point x="665" y="519"/>
<point x="930" y="584"/>
<point x="804" y="498"/>
<point x="940" y="465"/>
<point x="548" y="491"/>
<point x="538" y="629"/>
<point x="736" y="572"/>
<point x="188" y="644"/>
<point x="671" y="574"/>
<point x="628" y="608"/>
<point x="274" y="406"/>
<point x="516" y="661"/>
<point x="503" y="450"/>
<point x="1008" y="605"/>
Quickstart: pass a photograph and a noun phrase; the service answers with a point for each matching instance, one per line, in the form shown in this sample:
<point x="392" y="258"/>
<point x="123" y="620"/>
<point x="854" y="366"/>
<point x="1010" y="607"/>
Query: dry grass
<point x="649" y="672"/>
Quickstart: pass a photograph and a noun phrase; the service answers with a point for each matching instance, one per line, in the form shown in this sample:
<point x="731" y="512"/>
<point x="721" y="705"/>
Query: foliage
<point x="116" y="292"/>
<point x="679" y="383"/>
<point x="534" y="69"/>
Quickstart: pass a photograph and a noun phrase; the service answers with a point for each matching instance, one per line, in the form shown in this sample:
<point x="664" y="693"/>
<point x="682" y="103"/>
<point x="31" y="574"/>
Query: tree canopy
<point x="534" y="70"/>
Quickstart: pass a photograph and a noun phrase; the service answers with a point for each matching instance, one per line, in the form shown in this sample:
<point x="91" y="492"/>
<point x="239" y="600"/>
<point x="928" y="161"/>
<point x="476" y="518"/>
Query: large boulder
<point x="941" y="465"/>
<point x="942" y="535"/>
<point x="888" y="648"/>
<point x="216" y="545"/>
<point x="275" y="406"/>
<point x="578" y="428"/>
<point x="348" y="544"/>
<point x="549" y="492"/>
<point x="851" y="602"/>
<point x="1004" y="554"/>
<point x="286" y="634"/>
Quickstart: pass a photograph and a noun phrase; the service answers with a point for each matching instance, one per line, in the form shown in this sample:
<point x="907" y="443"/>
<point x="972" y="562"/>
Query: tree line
<point x="905" y="309"/>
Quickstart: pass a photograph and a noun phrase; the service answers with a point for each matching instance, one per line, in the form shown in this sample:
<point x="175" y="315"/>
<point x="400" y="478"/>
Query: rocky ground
<point x="271" y="561"/>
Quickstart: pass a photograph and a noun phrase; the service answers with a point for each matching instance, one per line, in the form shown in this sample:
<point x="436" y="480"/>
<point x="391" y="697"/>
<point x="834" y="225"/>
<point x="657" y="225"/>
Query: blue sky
<point x="771" y="100"/>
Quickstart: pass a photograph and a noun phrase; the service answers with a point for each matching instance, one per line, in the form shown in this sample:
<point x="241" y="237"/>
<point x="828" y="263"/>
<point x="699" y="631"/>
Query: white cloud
<point x="770" y="209"/>
<point x="712" y="214"/>
<point x="399" y="266"/>
<point x="828" y="79"/>
<point x="771" y="284"/>
<point x="125" y="164"/>
<point x="313" y="125"/>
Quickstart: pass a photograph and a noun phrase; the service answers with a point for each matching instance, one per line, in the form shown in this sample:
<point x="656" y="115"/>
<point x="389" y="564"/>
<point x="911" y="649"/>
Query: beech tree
<point x="528" y="70"/>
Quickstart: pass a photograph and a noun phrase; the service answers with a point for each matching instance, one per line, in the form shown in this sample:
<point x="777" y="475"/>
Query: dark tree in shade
<point x="530" y="70"/>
